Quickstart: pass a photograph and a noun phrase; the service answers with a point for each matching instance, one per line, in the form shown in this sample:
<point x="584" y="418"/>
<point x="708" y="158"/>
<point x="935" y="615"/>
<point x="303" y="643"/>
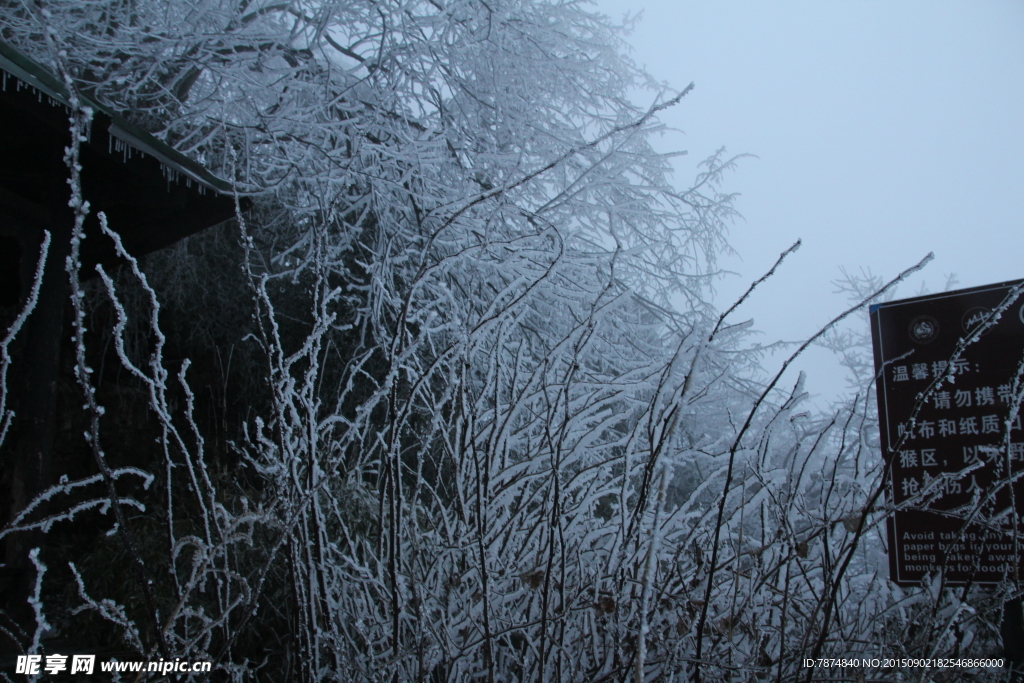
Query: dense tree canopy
<point x="451" y="401"/>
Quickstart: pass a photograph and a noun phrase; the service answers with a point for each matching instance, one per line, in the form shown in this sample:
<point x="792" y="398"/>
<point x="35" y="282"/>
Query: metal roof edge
<point x="16" y="64"/>
<point x="31" y="74"/>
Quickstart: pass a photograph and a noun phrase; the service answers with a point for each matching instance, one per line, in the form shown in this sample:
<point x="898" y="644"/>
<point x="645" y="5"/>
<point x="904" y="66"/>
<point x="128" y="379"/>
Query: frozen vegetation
<point x="450" y="402"/>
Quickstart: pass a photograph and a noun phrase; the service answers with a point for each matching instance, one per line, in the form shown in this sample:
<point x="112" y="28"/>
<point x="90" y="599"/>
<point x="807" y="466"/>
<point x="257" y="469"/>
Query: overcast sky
<point x="883" y="131"/>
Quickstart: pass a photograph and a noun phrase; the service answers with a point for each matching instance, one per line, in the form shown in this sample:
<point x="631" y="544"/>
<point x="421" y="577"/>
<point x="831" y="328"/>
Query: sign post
<point x="951" y="433"/>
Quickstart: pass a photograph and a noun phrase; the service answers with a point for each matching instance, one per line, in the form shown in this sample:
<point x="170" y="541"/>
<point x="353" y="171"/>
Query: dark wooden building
<point x="152" y="195"/>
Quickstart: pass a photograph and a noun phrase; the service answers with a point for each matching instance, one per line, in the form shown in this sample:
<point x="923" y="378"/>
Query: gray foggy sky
<point x="884" y="130"/>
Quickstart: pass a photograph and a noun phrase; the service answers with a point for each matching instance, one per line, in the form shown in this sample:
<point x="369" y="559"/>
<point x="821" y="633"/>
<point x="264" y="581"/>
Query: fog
<point x="882" y="131"/>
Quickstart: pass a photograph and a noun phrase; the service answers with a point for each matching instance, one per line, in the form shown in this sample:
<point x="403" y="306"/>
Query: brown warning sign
<point x="951" y="433"/>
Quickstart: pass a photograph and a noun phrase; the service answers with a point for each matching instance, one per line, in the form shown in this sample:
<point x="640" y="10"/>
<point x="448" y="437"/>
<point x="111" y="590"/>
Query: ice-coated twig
<point x="6" y="416"/>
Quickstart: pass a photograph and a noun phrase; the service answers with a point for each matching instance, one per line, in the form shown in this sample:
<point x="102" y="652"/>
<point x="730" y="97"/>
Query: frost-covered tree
<point x="494" y="428"/>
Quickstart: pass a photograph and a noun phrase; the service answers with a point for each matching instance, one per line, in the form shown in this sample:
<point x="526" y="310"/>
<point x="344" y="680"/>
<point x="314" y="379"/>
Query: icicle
<point x="171" y="175"/>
